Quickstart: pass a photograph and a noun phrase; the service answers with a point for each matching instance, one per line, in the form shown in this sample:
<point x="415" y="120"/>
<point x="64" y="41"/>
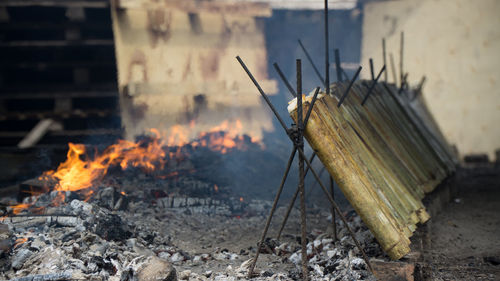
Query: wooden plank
<point x="37" y="133"/>
<point x="56" y="3"/>
<point x="53" y="114"/>
<point x="194" y="6"/>
<point x="58" y="43"/>
<point x="69" y="133"/>
<point x="55" y="95"/>
<point x="56" y="64"/>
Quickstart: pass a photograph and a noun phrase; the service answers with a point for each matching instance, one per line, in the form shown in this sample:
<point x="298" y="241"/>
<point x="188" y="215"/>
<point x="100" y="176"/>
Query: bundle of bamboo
<point x="381" y="155"/>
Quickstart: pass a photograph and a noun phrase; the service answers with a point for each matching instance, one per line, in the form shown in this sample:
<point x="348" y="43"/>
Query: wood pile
<point x="382" y="155"/>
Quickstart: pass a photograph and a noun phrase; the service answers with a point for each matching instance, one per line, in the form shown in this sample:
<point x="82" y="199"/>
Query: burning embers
<point x="159" y="154"/>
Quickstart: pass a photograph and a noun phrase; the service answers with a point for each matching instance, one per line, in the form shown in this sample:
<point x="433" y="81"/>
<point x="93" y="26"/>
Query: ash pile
<point x="91" y="241"/>
<point x="143" y="234"/>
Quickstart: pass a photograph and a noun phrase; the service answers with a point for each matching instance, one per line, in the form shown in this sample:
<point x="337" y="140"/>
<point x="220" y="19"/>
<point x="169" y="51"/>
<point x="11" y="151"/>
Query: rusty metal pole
<point x="334" y="223"/>
<point x="401" y="49"/>
<point x="300" y="145"/>
<point x="393" y="69"/>
<point x="292" y="202"/>
<point x="372" y="71"/>
<point x="384" y="58"/>
<point x="327" y="59"/>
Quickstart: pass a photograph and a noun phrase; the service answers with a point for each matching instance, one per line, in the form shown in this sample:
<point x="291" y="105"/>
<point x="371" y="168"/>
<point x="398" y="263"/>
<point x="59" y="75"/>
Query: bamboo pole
<point x="390" y="182"/>
<point x="325" y="131"/>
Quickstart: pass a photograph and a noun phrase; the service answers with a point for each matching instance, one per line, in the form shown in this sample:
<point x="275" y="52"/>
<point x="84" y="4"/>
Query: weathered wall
<point x="456" y="45"/>
<point x="176" y="65"/>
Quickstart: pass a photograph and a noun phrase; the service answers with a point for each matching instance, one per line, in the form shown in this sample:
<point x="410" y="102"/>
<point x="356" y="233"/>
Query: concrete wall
<point x="456" y="45"/>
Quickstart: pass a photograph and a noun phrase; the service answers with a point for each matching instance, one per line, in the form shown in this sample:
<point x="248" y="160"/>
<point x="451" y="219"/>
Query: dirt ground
<point x="465" y="235"/>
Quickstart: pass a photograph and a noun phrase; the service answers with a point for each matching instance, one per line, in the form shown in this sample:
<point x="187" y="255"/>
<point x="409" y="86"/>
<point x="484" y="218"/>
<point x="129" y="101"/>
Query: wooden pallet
<point x="58" y="72"/>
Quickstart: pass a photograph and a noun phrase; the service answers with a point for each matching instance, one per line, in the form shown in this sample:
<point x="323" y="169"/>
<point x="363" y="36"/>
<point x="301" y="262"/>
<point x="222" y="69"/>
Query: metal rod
<point x="312" y="63"/>
<point x="262" y="93"/>
<point x="309" y="165"/>
<point x="342" y="217"/>
<point x="320" y="175"/>
<point x="349" y="87"/>
<point x="334" y="224"/>
<point x="282" y="76"/>
<point x="401" y="50"/>
<point x="271" y="213"/>
<point x="292" y="91"/>
<point x="300" y="145"/>
<point x="309" y="110"/>
<point x="418" y="91"/>
<point x="372" y="86"/>
<point x="346" y="77"/>
<point x="292" y="202"/>
<point x="338" y="68"/>
<point x="327" y="58"/>
<point x="393" y="69"/>
<point x="403" y="83"/>
<point x="384" y="58"/>
<point x="372" y="72"/>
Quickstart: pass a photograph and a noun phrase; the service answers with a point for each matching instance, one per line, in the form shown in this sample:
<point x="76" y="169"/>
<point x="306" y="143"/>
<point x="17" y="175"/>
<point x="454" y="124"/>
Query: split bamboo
<point x="382" y="155"/>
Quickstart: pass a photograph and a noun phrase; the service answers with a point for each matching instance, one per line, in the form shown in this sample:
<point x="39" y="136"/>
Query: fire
<point x="82" y="169"/>
<point x="16" y="209"/>
<point x="80" y="172"/>
<point x="19" y="241"/>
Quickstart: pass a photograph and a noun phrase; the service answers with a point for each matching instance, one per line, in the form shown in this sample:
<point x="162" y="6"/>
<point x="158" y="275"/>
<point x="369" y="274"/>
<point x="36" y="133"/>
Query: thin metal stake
<point x="403" y="83"/>
<point x="271" y="213"/>
<point x="300" y="145"/>
<point x="372" y="72"/>
<point x="312" y="63"/>
<point x="338" y="68"/>
<point x="292" y="202"/>
<point x="349" y="87"/>
<point x="327" y="59"/>
<point x="334" y="224"/>
<point x="418" y="91"/>
<point x="262" y="93"/>
<point x="384" y="58"/>
<point x="393" y="69"/>
<point x="287" y="84"/>
<point x="374" y="82"/>
<point x="309" y="110"/>
<point x="401" y="49"/>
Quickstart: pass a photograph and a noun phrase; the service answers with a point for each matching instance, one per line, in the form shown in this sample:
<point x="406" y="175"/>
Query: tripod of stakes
<point x="295" y="134"/>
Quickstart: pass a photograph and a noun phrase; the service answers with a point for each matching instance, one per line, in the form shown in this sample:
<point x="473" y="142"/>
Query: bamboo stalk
<point x="324" y="131"/>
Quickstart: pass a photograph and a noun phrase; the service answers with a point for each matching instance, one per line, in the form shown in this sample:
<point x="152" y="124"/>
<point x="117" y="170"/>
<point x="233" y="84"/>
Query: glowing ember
<point x="19" y="241"/>
<point x="18" y="208"/>
<point x="81" y="170"/>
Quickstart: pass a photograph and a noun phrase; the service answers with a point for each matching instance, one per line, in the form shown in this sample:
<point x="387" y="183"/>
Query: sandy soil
<point x="465" y="236"/>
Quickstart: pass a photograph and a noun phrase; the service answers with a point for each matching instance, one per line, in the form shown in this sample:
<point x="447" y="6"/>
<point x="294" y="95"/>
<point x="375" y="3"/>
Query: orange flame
<point x="19" y="241"/>
<point x="80" y="172"/>
<point x="16" y="209"/>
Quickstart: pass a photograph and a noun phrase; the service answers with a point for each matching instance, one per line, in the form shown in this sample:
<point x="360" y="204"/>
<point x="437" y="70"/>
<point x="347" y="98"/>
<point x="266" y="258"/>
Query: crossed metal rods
<point x="295" y="133"/>
<point x="311" y="159"/>
<point x="298" y="143"/>
<point x="296" y="136"/>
